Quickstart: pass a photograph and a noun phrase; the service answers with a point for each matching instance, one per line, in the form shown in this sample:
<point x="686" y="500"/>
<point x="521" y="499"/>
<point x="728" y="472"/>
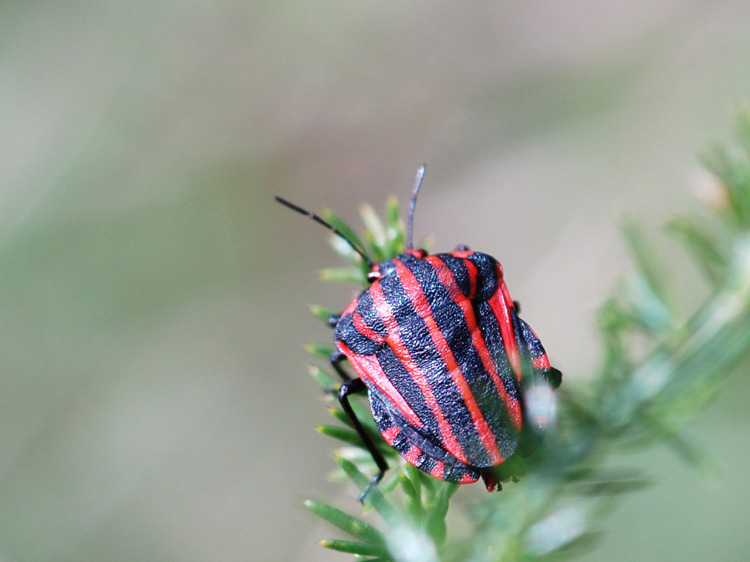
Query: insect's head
<point x="381" y="269"/>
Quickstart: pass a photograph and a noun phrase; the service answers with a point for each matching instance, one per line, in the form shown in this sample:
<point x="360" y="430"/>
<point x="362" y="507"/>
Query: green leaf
<point x="415" y="476"/>
<point x="341" y="433"/>
<point x="733" y="170"/>
<point x="351" y="437"/>
<point x="685" y="446"/>
<point x="352" y="547"/>
<point x="438" y="509"/>
<point x="742" y="128"/>
<point x="324" y="351"/>
<point x="413" y="499"/>
<point x="394" y="229"/>
<point x="343" y="275"/>
<point x="710" y="257"/>
<point x="601" y="483"/>
<point x="647" y="263"/>
<point x="346" y="522"/>
<point x="325" y="380"/>
<point x="374" y="232"/>
<point x="391" y="478"/>
<point x="340" y="415"/>
<point x="739" y="178"/>
<point x="374" y="496"/>
<point x="648" y="309"/>
<point x="557" y="530"/>
<point x="342" y="248"/>
<point x="342" y="227"/>
<point x="392" y="215"/>
<point x="322" y="313"/>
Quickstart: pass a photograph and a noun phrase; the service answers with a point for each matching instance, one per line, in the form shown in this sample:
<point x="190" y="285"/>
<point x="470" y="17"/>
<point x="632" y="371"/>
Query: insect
<point x="437" y="344"/>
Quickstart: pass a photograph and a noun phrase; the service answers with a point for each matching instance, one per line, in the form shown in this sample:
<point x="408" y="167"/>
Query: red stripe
<point x="500" y="303"/>
<point x="365" y="330"/>
<point x="414" y="291"/>
<point x="390" y="434"/>
<point x="399" y="349"/>
<point x="503" y="288"/>
<point x="438" y="469"/>
<point x="412" y="455"/>
<point x="448" y="280"/>
<point x="368" y="367"/>
<point x="541" y="363"/>
<point x="467" y="479"/>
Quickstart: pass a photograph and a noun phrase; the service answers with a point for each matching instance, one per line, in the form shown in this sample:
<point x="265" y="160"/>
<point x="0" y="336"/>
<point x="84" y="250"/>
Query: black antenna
<point x="328" y="225"/>
<point x="415" y="191"/>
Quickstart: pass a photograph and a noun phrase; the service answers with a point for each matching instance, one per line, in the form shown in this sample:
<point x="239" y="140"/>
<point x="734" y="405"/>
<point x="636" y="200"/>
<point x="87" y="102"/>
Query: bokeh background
<point x="154" y="402"/>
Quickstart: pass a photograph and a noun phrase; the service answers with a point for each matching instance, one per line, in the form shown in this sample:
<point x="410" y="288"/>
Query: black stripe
<point x="532" y="343"/>
<point x="404" y="383"/>
<point x="494" y="341"/>
<point x="348" y="334"/>
<point x="486" y="275"/>
<point x="366" y="309"/>
<point x="460" y="272"/>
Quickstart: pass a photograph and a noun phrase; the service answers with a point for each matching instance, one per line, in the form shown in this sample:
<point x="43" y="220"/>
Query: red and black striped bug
<point x="441" y="351"/>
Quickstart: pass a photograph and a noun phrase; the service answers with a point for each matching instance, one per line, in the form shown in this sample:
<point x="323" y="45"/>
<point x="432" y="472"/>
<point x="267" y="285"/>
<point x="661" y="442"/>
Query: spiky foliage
<point x="661" y="364"/>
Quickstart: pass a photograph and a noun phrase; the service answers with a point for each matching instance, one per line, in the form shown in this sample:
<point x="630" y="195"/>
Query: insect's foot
<point x="373" y="482"/>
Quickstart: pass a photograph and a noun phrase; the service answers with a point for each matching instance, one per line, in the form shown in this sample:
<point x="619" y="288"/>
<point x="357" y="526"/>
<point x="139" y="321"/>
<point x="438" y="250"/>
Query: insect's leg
<point x="491" y="481"/>
<point x="336" y="358"/>
<point x="509" y="471"/>
<point x="352" y="387"/>
<point x="517" y="305"/>
<point x="333" y="321"/>
<point x="462" y="248"/>
<point x="553" y="376"/>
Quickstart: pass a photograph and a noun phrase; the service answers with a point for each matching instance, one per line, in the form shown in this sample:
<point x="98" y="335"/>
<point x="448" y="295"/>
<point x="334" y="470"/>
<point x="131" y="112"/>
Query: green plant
<point x="661" y="364"/>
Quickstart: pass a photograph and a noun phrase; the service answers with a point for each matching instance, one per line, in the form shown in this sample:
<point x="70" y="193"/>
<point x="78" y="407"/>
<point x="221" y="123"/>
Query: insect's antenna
<point x="414" y="192"/>
<point x="328" y="225"/>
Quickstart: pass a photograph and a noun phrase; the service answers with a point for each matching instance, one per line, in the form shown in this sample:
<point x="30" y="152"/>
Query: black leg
<point x="352" y="387"/>
<point x="336" y="358"/>
<point x="491" y="481"/>
<point x="518" y="307"/>
<point x="461" y="248"/>
<point x="553" y="376"/>
<point x="333" y="321"/>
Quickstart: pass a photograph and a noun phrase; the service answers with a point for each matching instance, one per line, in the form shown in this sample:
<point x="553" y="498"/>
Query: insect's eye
<point x="373" y="276"/>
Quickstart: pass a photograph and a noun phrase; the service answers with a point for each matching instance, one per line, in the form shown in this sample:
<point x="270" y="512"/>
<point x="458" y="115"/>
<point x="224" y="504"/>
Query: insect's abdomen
<point x="431" y="335"/>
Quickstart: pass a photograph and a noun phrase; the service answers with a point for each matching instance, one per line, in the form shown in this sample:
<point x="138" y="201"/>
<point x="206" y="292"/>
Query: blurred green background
<point x="154" y="401"/>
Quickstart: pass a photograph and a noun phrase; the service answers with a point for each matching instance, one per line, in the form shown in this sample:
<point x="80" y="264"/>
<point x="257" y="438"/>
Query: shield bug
<point x="437" y="344"/>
